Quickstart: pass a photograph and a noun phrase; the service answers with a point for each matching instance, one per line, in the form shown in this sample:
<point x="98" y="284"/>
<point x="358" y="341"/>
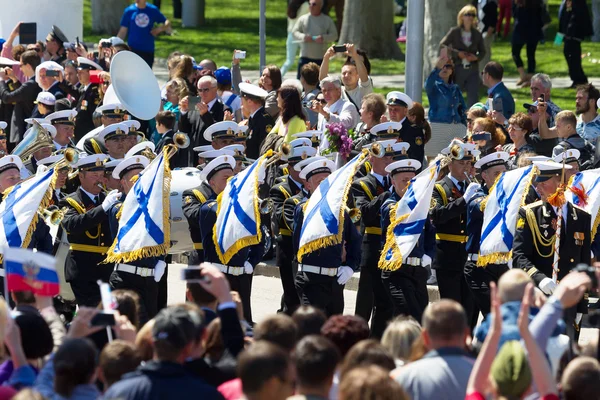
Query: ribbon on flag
<point x="584" y="192"/>
<point x="238" y="213"/>
<point x="324" y="212"/>
<point x="501" y="211"/>
<point x="19" y="208"/>
<point x="29" y="271"/>
<point x="408" y="217"/>
<point x="144" y="228"/>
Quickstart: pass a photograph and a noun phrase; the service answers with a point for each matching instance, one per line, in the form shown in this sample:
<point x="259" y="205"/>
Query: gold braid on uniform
<point x="537" y="236"/>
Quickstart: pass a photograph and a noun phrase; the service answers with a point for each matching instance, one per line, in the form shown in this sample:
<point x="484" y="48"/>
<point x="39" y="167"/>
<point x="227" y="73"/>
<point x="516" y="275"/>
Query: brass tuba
<point x="37" y="138"/>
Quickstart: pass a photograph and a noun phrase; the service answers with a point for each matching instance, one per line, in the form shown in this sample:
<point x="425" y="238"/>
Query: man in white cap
<point x="289" y="186"/>
<point x="221" y="134"/>
<point x="112" y="113"/>
<point x="537" y="231"/>
<point x="64" y="123"/>
<point x="369" y="193"/>
<point x="449" y="215"/>
<point x="323" y="273"/>
<point x="88" y="97"/>
<point x="260" y="121"/>
<point x="44" y="105"/>
<point x="398" y="105"/>
<point x="141" y="276"/>
<point x="44" y="149"/>
<point x="479" y="278"/>
<point x="569" y="157"/>
<point x="61" y="177"/>
<point x="46" y="75"/>
<point x="88" y="232"/>
<point x="407" y="284"/>
<point x="193" y="199"/>
<point x="195" y="120"/>
<point x="241" y="266"/>
<point x="115" y="139"/>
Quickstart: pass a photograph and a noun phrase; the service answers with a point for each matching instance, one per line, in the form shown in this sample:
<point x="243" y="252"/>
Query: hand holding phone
<point x="51" y="72"/>
<point x="103" y="319"/>
<point x="542" y="98"/>
<point x="239" y="54"/>
<point x="339" y="49"/>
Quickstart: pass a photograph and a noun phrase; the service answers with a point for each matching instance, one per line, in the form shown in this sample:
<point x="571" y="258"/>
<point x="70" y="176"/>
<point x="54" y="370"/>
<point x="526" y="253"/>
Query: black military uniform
<point x="88" y="232"/>
<point x="286" y="189"/>
<point x="86" y="104"/>
<point x="411" y="134"/>
<point x="259" y="127"/>
<point x="195" y="124"/>
<point x="193" y="199"/>
<point x="60" y="38"/>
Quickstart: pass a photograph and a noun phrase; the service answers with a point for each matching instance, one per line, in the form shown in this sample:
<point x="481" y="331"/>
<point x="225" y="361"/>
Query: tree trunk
<point x="106" y="15"/>
<point x="437" y="24"/>
<point x="370" y="26"/>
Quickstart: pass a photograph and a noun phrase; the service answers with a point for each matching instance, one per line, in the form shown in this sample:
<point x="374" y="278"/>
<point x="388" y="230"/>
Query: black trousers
<point x="302" y="61"/>
<point x="479" y="278"/>
<point x="163" y="286"/>
<point x="243" y="285"/>
<point x="287" y="271"/>
<point x="146" y="56"/>
<point x="87" y="293"/>
<point x="516" y="48"/>
<point x="572" y="52"/>
<point x="453" y="285"/>
<point x="320" y="291"/>
<point x="145" y="287"/>
<point x="407" y="289"/>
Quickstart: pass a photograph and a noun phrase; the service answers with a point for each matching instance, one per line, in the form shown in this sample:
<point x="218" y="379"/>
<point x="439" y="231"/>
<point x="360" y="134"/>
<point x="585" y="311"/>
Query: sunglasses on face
<point x="470" y="15"/>
<point x="106" y="83"/>
<point x="448" y="66"/>
<point x="322" y="101"/>
<point x="205" y="90"/>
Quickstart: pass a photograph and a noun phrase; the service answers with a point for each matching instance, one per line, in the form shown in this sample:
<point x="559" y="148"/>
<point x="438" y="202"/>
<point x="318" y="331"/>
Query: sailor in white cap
<point x="240" y="267"/>
<point x="221" y="134"/>
<point x="88" y="98"/>
<point x="61" y="177"/>
<point x="406" y="283"/>
<point x="64" y="122"/>
<point x="398" y="105"/>
<point x="111" y="113"/>
<point x="111" y="183"/>
<point x="289" y="185"/>
<point x="314" y="136"/>
<point x="88" y="232"/>
<point x="238" y="154"/>
<point x="449" y="215"/>
<point x="479" y="278"/>
<point x="115" y="139"/>
<point x="260" y="122"/>
<point x="143" y="148"/>
<point x="134" y="135"/>
<point x="569" y="157"/>
<point x="194" y="198"/>
<point x="547" y="225"/>
<point x="323" y="273"/>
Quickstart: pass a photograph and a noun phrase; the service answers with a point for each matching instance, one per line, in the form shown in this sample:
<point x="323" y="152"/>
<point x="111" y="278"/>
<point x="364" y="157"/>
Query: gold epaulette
<point x="442" y="193"/>
<point x="199" y="196"/>
<point x="534" y="204"/>
<point x="73" y="203"/>
<point x="366" y="189"/>
<point x="286" y="194"/>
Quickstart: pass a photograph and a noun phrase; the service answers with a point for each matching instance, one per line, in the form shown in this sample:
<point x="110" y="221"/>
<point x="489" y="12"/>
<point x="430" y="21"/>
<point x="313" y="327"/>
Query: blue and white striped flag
<point x="500" y="215"/>
<point x="408" y="217"/>
<point x="324" y="212"/>
<point x="584" y="192"/>
<point x="144" y="228"/>
<point x="238" y="213"/>
<point x="19" y="208"/>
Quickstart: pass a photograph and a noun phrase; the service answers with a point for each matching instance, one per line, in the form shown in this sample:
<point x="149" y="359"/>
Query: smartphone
<point x="543" y="97"/>
<point x="95" y="54"/>
<point x="103" y="319"/>
<point x="497" y="105"/>
<point x="50" y="72"/>
<point x="27" y="32"/>
<point x="240" y="54"/>
<point x="340" y="49"/>
<point x="193" y="101"/>
<point x="193" y="274"/>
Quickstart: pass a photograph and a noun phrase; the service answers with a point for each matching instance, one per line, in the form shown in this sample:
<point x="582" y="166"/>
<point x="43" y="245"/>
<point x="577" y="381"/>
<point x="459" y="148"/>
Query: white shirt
<point x="379" y="177"/>
<point x="59" y="146"/>
<point x="456" y="181"/>
<point x="341" y="111"/>
<point x="90" y="195"/>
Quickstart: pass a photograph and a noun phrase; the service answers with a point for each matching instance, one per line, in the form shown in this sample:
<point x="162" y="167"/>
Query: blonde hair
<point x="399" y="337"/>
<point x="468" y="9"/>
<point x="511" y="285"/>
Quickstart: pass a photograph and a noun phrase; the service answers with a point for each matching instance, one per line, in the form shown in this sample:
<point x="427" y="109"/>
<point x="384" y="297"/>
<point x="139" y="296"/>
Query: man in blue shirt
<point x="492" y="78"/>
<point x="139" y="21"/>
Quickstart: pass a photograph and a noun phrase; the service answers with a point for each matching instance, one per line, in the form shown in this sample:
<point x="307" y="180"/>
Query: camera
<point x="590" y="271"/>
<point x="105" y="44"/>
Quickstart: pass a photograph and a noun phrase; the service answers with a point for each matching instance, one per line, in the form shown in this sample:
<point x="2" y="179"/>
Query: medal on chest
<point x="84" y="105"/>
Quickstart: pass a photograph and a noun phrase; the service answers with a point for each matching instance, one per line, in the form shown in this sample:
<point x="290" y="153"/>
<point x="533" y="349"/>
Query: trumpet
<point x="149" y="154"/>
<point x="54" y="216"/>
<point x="180" y="141"/>
<point x="103" y="188"/>
<point x="266" y="206"/>
<point x="471" y="179"/>
<point x="354" y="213"/>
<point x="284" y="150"/>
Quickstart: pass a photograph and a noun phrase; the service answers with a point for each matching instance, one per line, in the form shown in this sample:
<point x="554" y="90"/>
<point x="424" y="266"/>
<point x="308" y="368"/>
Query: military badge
<point x="84" y="105"/>
<point x="419" y="141"/>
<point x="268" y="128"/>
<point x="579" y="237"/>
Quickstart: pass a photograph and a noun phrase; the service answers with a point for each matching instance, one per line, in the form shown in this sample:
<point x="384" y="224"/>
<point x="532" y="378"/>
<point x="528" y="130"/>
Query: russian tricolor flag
<point x="31" y="271"/>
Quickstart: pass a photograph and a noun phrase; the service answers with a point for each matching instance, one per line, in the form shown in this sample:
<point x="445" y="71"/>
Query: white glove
<point x="344" y="274"/>
<point x="41" y="170"/>
<point x="248" y="268"/>
<point x="548" y="286"/>
<point x="110" y="199"/>
<point x="510" y="263"/>
<point x="471" y="190"/>
<point x="425" y="260"/>
<point x="159" y="270"/>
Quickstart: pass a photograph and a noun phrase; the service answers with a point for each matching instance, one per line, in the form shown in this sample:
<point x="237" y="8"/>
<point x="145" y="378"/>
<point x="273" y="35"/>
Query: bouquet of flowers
<point x="340" y="140"/>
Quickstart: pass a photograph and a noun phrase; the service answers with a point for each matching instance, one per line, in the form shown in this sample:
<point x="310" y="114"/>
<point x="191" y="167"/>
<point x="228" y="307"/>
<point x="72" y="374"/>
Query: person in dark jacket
<point x="527" y="31"/>
<point x="21" y="95"/>
<point x="177" y="335"/>
<point x="575" y="24"/>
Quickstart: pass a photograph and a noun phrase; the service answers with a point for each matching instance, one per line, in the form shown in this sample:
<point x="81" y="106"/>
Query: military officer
<point x="314" y="137"/>
<point x="111" y="183"/>
<point x="64" y="124"/>
<point x="115" y="138"/>
<point x="88" y="98"/>
<point x="323" y="273"/>
<point x="112" y="113"/>
<point x="221" y="134"/>
<point x="238" y="155"/>
<point x="569" y="157"/>
<point x="449" y="216"/>
<point x="193" y="199"/>
<point x="241" y="266"/>
<point x="88" y="232"/>
<point x="283" y="169"/>
<point x="279" y="193"/>
<point x="534" y="245"/>
<point x="479" y="278"/>
<point x="141" y="276"/>
<point x="260" y="122"/>
<point x="55" y="45"/>
<point x="398" y="104"/>
<point x="407" y="285"/>
<point x="143" y="148"/>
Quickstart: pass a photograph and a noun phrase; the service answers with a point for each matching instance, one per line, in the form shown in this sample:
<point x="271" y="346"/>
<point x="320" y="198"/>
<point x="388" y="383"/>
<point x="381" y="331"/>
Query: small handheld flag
<point x="29" y="271"/>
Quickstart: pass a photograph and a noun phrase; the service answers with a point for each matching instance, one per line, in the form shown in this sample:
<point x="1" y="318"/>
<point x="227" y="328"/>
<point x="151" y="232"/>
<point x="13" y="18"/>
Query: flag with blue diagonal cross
<point x="238" y="213"/>
<point x="144" y="227"/>
<point x="324" y="212"/>
<point x="19" y="208"/>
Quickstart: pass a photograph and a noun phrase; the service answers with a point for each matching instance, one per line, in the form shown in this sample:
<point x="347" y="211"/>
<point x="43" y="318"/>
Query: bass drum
<point x="182" y="179"/>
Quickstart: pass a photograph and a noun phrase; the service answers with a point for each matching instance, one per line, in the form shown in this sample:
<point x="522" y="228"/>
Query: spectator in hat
<point x="231" y="101"/>
<point x="138" y="25"/>
<point x="55" y="49"/>
<point x="45" y="102"/>
<point x="50" y="83"/>
<point x="22" y="95"/>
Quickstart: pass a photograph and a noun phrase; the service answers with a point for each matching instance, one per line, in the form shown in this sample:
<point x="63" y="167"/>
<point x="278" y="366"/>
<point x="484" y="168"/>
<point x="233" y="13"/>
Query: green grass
<point x="233" y="24"/>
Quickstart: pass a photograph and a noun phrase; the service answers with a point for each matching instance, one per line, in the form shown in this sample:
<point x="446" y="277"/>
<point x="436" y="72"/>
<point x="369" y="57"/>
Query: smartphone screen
<point x="51" y="73"/>
<point x="497" y="104"/>
<point x="103" y="319"/>
<point x="193" y="274"/>
<point x="193" y="101"/>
